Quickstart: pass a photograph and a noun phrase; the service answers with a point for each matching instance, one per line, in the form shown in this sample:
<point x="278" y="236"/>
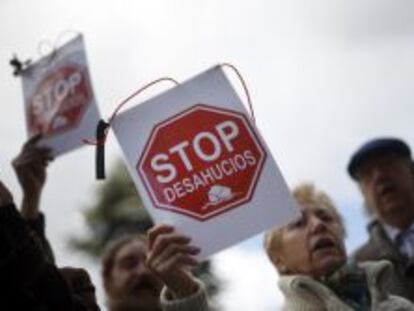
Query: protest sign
<point x="59" y="99"/>
<point x="200" y="165"/>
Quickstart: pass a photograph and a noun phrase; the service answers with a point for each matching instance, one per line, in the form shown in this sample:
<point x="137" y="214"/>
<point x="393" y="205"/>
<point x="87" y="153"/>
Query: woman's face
<point x="312" y="245"/>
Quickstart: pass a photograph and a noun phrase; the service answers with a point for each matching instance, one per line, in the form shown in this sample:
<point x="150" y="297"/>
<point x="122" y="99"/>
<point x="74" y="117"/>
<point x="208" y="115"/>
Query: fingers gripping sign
<point x="30" y="167"/>
<point x="171" y="257"/>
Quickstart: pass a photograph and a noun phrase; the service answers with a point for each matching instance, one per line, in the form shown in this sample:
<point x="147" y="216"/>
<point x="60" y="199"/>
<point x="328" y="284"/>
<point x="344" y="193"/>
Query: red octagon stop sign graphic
<point x="202" y="162"/>
<point x="59" y="101"/>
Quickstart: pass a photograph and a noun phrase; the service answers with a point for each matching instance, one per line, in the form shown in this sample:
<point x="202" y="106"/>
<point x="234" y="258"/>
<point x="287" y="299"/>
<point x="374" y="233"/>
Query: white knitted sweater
<point x="303" y="293"/>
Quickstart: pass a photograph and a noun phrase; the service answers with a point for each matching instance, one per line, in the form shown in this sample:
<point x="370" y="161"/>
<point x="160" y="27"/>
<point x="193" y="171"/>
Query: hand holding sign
<point x="30" y="167"/>
<point x="170" y="256"/>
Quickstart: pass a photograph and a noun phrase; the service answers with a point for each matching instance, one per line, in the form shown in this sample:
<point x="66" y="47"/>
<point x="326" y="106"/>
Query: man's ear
<point x="369" y="211"/>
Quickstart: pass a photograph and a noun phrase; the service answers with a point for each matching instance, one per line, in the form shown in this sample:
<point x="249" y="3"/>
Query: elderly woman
<point x="310" y="256"/>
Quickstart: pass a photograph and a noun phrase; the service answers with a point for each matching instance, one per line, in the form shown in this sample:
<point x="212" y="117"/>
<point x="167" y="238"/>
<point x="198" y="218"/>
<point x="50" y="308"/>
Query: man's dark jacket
<point x="379" y="247"/>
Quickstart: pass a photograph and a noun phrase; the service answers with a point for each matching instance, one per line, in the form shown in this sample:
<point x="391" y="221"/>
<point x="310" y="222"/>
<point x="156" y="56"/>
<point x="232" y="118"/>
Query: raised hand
<point x="30" y="167"/>
<point x="171" y="257"/>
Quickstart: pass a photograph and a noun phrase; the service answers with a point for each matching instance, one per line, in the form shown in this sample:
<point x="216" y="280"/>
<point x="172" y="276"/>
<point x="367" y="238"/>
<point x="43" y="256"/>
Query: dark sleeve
<point x="37" y="225"/>
<point x="24" y="268"/>
<point x="21" y="256"/>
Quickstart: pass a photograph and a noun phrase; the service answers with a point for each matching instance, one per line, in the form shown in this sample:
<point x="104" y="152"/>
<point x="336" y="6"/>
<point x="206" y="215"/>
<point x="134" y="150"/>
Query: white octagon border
<point x="184" y="211"/>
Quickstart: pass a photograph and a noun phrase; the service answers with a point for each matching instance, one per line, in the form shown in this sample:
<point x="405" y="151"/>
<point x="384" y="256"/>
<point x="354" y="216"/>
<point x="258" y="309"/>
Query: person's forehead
<point x="133" y="248"/>
<point x="319" y="210"/>
<point x="314" y="208"/>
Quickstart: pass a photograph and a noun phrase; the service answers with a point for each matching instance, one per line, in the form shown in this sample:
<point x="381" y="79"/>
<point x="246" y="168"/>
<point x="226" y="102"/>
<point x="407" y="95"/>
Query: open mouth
<point x="323" y="244"/>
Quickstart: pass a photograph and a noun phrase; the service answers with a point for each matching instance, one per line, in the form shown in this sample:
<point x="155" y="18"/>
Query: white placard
<point x="59" y="99"/>
<point x="200" y="165"/>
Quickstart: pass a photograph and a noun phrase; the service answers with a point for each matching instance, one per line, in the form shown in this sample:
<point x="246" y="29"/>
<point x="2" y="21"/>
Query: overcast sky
<point x="325" y="75"/>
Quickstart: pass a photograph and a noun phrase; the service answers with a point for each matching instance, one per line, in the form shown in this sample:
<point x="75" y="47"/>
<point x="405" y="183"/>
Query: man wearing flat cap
<point x="384" y="171"/>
